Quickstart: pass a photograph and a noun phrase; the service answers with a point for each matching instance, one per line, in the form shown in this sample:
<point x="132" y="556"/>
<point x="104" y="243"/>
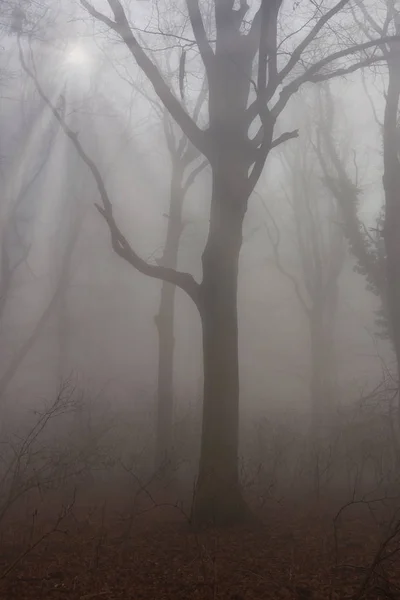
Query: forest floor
<point x="297" y="552"/>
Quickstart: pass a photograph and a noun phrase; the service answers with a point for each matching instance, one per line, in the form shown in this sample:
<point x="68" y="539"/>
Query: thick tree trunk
<point x="218" y="495"/>
<point x="165" y="325"/>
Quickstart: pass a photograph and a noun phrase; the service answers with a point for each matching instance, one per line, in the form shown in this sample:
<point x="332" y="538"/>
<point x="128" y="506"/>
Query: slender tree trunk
<point x="218" y="497"/>
<point x="62" y="326"/>
<point x="318" y="367"/>
<point x="323" y="361"/>
<point x="165" y="324"/>
<point x="165" y="384"/>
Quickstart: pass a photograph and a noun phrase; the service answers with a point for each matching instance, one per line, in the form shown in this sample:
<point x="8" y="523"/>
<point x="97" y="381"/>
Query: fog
<point x="199" y="287"/>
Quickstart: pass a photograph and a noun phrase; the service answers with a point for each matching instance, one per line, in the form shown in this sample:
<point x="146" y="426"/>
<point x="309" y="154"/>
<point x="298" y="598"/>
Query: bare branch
<point x="121" y="246"/>
<point x="346" y="71"/>
<point x="200" y="35"/>
<point x="390" y="12"/>
<point x="346" y="194"/>
<point x="313" y="75"/>
<point x="368" y="18"/>
<point x="98" y="15"/>
<point x="122" y="28"/>
<point x="275" y="243"/>
<point x="296" y="54"/>
<point x="288" y="135"/>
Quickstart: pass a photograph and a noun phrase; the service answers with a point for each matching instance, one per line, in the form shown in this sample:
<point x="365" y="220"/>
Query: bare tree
<point x="389" y="22"/>
<point x="391" y="162"/>
<point x="364" y="243"/>
<point x="236" y="102"/>
<point x="319" y="245"/>
<point x="382" y="267"/>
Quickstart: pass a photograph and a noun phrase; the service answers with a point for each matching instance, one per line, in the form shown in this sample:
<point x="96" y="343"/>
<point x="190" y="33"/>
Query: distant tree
<point x="21" y="174"/>
<point x="391" y="170"/>
<point x="378" y="254"/>
<point x="365" y="243"/>
<point x="24" y="168"/>
<point x="319" y="247"/>
<point x="250" y="84"/>
<point x="71" y="216"/>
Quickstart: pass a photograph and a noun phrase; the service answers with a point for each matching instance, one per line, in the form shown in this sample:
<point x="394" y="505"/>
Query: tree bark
<point x="218" y="496"/>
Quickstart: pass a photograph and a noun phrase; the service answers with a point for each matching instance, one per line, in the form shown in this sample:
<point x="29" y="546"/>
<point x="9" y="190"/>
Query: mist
<point x="199" y="299"/>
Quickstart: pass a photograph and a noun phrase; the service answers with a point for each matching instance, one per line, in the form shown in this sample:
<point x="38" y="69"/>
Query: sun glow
<point x="77" y="56"/>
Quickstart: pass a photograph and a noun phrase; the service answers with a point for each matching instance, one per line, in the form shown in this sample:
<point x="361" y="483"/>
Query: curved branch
<point x="121" y="246"/>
